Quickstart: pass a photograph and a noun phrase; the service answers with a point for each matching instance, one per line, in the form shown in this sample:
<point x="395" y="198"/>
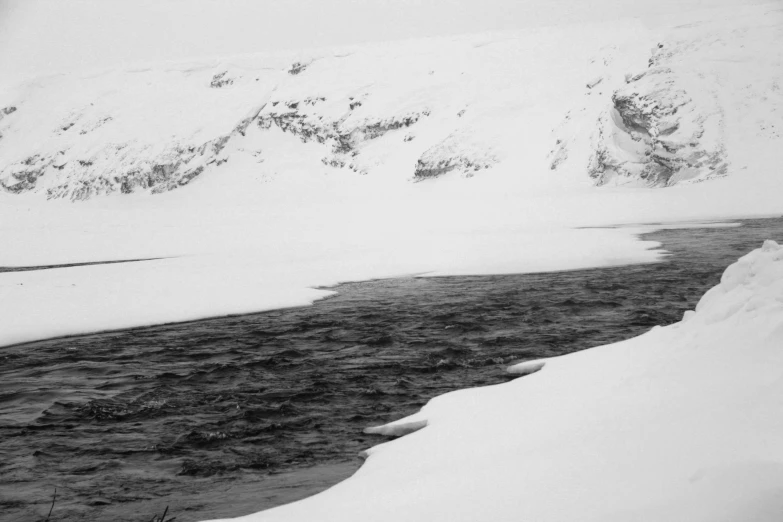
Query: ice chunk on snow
<point x="526" y="367"/>
<point x="397" y="429"/>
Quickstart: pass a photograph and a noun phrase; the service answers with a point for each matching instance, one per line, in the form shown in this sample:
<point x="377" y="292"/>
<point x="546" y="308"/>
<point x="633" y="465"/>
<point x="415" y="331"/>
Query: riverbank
<point x="232" y="415"/>
<point x="680" y="423"/>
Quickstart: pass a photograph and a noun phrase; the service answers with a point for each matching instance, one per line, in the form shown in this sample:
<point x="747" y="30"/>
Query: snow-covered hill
<point x="660" y="108"/>
<point x="490" y="153"/>
<point x="422" y="114"/>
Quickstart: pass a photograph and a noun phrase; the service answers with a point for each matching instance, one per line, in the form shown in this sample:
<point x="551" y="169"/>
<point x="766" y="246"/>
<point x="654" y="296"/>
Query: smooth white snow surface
<point x="466" y="155"/>
<point x="680" y="424"/>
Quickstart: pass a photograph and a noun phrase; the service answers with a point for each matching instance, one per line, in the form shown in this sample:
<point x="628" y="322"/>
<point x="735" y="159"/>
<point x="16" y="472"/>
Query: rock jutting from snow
<point x="656" y="132"/>
<point x="221" y="80"/>
<point x="455" y="153"/>
<point x="684" y="120"/>
<point x="343" y="134"/>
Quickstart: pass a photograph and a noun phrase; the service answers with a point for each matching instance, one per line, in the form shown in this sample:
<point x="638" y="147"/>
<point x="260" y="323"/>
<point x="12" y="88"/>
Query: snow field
<point x="263" y="212"/>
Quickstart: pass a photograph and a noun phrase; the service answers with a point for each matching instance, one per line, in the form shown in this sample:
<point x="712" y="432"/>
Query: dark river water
<point x="229" y="416"/>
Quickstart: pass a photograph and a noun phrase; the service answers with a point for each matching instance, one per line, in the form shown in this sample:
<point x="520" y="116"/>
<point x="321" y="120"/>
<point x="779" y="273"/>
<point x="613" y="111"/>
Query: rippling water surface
<point x="229" y="416"/>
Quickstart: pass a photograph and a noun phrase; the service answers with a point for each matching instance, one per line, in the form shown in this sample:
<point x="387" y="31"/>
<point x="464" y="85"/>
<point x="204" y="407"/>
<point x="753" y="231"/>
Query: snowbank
<point x="681" y="423"/>
<point x="284" y="270"/>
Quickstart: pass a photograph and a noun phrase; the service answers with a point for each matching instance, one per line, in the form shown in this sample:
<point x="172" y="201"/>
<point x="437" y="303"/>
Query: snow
<point x="252" y="188"/>
<point x="253" y="182"/>
<point x="680" y="423"/>
<point x="526" y="368"/>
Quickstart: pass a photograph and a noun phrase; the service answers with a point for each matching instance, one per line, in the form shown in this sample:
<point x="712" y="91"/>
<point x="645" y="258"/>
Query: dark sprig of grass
<point x="162" y="518"/>
<point x="54" y="498"/>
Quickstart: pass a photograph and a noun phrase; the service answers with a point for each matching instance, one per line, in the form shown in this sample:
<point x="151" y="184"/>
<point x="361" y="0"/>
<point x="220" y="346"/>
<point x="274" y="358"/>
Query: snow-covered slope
<point x="661" y="105"/>
<point x="421" y="114"/>
<point x="709" y="91"/>
<point x="681" y="424"/>
<point x="461" y="155"/>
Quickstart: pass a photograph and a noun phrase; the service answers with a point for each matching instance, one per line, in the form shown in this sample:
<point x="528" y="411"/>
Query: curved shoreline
<point x="373" y="352"/>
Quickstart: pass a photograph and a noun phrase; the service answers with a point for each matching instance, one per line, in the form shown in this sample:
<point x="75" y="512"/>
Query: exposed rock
<point x="595" y="81"/>
<point x="91" y="126"/>
<point x="657" y="133"/>
<point x="25" y="174"/>
<point x="455" y="153"/>
<point x="221" y="80"/>
<point x="242" y="126"/>
<point x="343" y="135"/>
<point x="174" y="168"/>
<point x="558" y="155"/>
<point x="5" y="112"/>
<point x="375" y="129"/>
<point x="297" y="67"/>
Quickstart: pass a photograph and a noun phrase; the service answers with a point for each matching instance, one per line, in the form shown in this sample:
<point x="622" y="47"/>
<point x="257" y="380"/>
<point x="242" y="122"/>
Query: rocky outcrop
<point x="558" y="155"/>
<point x="124" y="169"/>
<point x="297" y="68"/>
<point x="26" y="174"/>
<point x="657" y="133"/>
<point x="5" y="111"/>
<point x="455" y="153"/>
<point x="221" y="80"/>
<point x="343" y="134"/>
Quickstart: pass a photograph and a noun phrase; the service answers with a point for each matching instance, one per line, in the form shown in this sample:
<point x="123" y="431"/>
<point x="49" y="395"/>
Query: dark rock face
<point x="26" y="175"/>
<point x="376" y="129"/>
<point x="343" y="135"/>
<point x="5" y="111"/>
<point x="655" y="132"/>
<point x="297" y="68"/>
<point x="430" y="167"/>
<point x="220" y="80"/>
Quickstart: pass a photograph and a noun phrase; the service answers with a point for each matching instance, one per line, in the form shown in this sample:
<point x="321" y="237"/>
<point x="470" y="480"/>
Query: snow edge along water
<point x="91" y="299"/>
<point x="678" y="423"/>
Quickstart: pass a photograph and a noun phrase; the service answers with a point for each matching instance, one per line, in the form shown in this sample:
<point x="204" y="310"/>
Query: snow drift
<point x="681" y="423"/>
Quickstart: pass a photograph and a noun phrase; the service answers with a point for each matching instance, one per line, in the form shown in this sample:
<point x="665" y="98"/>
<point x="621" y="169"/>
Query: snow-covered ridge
<point x="677" y="120"/>
<point x="156" y="130"/>
<point x="661" y="107"/>
<point x="680" y="423"/>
